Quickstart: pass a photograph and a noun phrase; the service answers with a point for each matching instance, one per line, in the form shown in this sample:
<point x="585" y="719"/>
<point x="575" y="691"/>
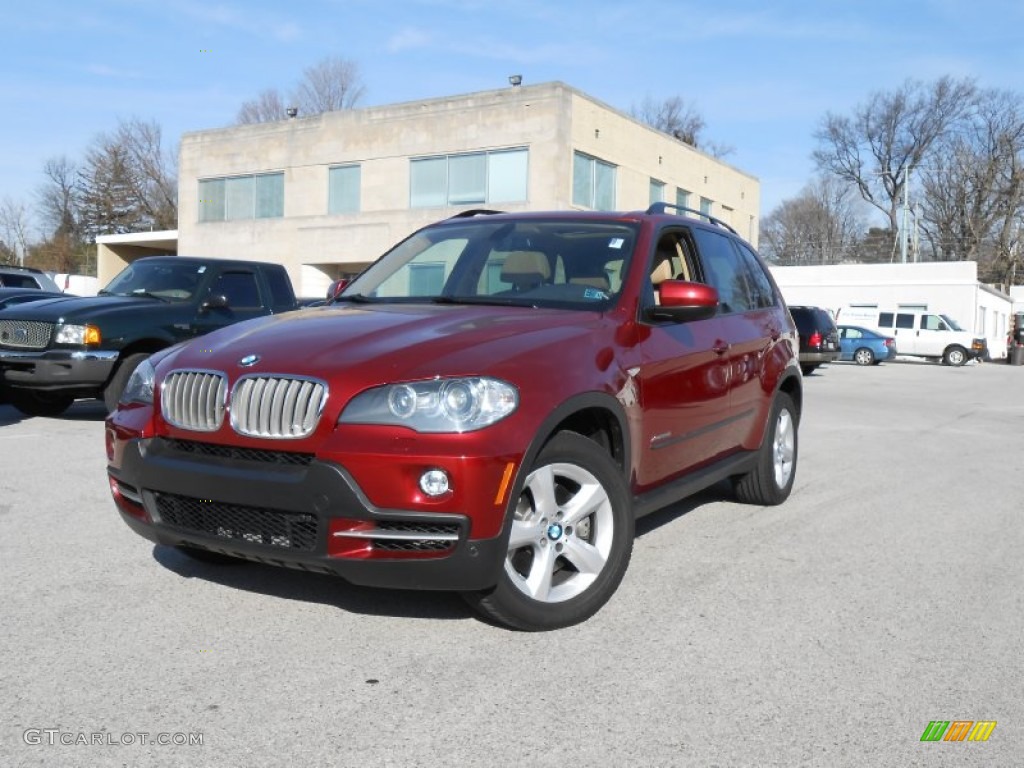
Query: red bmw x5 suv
<point x="487" y="408"/>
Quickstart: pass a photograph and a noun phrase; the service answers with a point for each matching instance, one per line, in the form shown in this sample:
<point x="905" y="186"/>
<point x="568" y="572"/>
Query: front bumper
<point x="310" y="515"/>
<point x="58" y="369"/>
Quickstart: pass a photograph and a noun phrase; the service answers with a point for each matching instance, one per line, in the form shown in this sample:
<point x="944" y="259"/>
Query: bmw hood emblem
<point x="249" y="360"/>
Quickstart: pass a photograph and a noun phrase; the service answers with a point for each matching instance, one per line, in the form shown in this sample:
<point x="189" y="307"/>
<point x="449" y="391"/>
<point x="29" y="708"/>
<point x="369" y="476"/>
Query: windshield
<point x="951" y="322"/>
<point x="167" y="280"/>
<point x="564" y="264"/>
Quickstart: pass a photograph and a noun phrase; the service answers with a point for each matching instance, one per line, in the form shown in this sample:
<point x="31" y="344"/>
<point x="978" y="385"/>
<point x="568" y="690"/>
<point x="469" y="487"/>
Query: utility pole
<point x="904" y="224"/>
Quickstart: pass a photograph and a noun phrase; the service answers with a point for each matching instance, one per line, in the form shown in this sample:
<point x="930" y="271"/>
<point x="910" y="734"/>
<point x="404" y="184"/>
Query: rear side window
<point x="762" y="290"/>
<point x="885" y="319"/>
<point x="281" y="297"/>
<point x="18" y="281"/>
<point x="904" y="321"/>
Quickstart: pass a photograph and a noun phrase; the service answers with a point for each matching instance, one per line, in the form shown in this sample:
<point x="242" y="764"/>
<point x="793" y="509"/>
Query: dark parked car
<point x="864" y="346"/>
<point x="26" y="277"/>
<point x="10" y="297"/>
<point x="487" y="408"/>
<point x="819" y="337"/>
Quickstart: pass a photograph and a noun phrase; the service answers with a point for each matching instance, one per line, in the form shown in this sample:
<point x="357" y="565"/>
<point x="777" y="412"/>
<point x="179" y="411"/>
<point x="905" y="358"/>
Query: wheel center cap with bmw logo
<point x="554" y="531"/>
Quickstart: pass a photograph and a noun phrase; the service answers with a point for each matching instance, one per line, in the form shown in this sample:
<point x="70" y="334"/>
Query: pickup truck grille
<point x="277" y="406"/>
<point x="194" y="400"/>
<point x="22" y="334"/>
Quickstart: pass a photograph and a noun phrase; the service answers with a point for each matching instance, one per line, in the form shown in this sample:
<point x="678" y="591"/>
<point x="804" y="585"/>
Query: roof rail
<point x="474" y="212"/>
<point x="660" y="208"/>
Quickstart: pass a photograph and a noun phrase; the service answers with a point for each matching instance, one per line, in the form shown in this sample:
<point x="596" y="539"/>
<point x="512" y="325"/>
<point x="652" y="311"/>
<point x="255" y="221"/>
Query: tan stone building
<point x="325" y="195"/>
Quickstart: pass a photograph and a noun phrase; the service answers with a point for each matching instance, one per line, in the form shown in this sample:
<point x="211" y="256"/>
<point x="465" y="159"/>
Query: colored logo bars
<point x="958" y="730"/>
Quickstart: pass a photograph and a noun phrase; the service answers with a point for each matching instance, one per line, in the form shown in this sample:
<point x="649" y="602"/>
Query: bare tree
<point x="58" y="197"/>
<point x="332" y="84"/>
<point x="974" y="187"/>
<point x="265" y="108"/>
<point x="680" y="120"/>
<point x="819" y="226"/>
<point x="128" y="181"/>
<point x="876" y="147"/>
<point x="14" y="225"/>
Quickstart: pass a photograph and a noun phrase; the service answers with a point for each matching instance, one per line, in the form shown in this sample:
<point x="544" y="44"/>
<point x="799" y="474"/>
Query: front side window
<point x="593" y="183"/>
<point x="724" y="271"/>
<point x="562" y="264"/>
<point x="239" y="288"/>
<point x="473" y="178"/>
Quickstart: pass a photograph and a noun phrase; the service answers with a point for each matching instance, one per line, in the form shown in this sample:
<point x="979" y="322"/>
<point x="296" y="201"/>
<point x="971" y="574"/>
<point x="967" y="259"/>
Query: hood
<point x="85" y="309"/>
<point x="384" y="343"/>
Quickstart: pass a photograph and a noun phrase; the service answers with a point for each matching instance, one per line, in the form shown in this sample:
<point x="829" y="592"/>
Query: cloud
<point x="104" y="70"/>
<point x="408" y="39"/>
<point x="238" y="18"/>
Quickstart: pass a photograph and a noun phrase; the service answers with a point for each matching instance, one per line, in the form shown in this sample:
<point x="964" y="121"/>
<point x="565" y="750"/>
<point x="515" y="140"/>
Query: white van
<point x="918" y="332"/>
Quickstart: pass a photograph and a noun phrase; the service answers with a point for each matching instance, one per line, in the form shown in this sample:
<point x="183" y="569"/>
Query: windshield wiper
<point x="496" y="301"/>
<point x="147" y="294"/>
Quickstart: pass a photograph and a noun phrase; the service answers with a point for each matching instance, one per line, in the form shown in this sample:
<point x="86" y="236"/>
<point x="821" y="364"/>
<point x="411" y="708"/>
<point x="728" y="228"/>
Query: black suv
<point x="26" y="277"/>
<point x="819" y="337"/>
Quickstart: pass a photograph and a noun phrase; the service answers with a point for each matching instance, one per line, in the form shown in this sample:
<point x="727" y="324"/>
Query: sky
<point x="763" y="75"/>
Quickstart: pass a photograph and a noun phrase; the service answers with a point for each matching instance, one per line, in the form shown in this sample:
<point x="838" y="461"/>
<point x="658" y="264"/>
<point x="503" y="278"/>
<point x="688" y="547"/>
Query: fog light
<point x="434" y="482"/>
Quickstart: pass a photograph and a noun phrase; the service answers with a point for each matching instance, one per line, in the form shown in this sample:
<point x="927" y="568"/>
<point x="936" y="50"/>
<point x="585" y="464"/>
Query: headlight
<point x="78" y="334"/>
<point x="438" y="405"/>
<point x="139" y="388"/>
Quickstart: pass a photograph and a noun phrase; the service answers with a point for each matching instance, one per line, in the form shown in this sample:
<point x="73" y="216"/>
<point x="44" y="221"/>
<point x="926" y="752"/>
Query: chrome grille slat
<point x="283" y="407"/>
<point x="194" y="400"/>
<point x="22" y="334"/>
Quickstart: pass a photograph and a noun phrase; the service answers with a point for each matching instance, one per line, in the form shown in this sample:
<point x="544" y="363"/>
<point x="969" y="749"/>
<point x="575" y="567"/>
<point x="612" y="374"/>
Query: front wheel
<point x="33" y="403"/>
<point x="112" y="392"/>
<point x="864" y="356"/>
<point x="955" y="356"/>
<point x="570" y="543"/>
<point x="771" y="480"/>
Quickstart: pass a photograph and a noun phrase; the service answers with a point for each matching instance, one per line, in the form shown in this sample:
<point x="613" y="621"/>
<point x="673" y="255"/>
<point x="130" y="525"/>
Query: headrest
<point x="520" y="264"/>
<point x="662" y="272"/>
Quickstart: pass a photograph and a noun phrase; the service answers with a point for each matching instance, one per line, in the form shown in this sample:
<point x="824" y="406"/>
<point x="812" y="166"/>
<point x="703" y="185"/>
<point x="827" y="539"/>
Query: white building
<point x="948" y="287"/>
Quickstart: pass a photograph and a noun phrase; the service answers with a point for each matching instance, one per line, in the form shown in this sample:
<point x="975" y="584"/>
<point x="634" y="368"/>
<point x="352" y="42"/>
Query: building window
<point x="343" y="189"/>
<point x="705" y="206"/>
<point x="657" y="192"/>
<point x="682" y="198"/>
<point x="469" y="179"/>
<point x="259" y="196"/>
<point x="593" y="183"/>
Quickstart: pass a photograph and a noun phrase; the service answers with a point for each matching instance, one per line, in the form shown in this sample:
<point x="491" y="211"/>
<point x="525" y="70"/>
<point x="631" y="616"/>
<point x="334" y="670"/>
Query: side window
<point x="932" y="323"/>
<point x="885" y="319"/>
<point x="724" y="271"/>
<point x="672" y="260"/>
<point x="239" y="288"/>
<point x="280" y="289"/>
<point x="761" y="286"/>
<point x="904" y="321"/>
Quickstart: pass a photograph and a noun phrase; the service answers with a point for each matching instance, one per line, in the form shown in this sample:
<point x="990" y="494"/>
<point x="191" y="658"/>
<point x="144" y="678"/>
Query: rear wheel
<point x="570" y="543"/>
<point x="864" y="356"/>
<point x="33" y="403"/>
<point x="771" y="480"/>
<point x="809" y="367"/>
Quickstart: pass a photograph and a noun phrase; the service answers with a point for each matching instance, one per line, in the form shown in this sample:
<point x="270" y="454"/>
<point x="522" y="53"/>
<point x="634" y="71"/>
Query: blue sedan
<point x="864" y="346"/>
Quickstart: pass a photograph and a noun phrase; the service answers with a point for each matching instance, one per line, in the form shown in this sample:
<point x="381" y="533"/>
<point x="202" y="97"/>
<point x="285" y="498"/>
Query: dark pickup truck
<point x="54" y="351"/>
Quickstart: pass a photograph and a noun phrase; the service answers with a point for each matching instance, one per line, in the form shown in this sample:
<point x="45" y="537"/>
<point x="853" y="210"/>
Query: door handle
<point x="720" y="347"/>
<point x="772" y="331"/>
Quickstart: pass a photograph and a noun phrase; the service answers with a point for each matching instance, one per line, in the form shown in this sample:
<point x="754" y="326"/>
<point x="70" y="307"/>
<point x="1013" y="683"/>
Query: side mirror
<point x="336" y="288"/>
<point x="216" y="301"/>
<point x="683" y="301"/>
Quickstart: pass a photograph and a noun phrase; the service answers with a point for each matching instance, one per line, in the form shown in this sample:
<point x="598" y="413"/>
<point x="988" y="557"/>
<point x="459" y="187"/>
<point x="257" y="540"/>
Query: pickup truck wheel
<point x="771" y="480"/>
<point x="570" y="543"/>
<point x="955" y="356"/>
<point x="33" y="403"/>
<point x="116" y="385"/>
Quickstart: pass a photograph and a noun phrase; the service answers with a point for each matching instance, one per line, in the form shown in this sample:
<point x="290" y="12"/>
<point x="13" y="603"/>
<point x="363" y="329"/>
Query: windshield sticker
<point x="594" y="293"/>
<point x="616" y="243"/>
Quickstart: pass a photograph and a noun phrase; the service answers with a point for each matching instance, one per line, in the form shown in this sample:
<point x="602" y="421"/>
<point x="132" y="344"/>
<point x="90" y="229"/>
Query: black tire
<point x="112" y="392"/>
<point x="559" y="570"/>
<point x="954" y="355"/>
<point x="33" y="403"/>
<point x="771" y="480"/>
<point x="864" y="356"/>
<point x="809" y="368"/>
<point x="206" y="556"/>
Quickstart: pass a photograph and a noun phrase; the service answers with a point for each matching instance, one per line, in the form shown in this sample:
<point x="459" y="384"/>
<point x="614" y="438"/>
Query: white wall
<point x="951" y="288"/>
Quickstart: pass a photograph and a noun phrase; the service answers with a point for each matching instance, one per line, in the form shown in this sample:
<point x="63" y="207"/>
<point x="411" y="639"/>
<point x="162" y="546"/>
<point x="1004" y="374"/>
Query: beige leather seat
<point x="525" y="269"/>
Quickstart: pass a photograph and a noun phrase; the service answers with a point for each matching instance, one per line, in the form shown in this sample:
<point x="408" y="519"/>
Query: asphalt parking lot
<point x="885" y="594"/>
